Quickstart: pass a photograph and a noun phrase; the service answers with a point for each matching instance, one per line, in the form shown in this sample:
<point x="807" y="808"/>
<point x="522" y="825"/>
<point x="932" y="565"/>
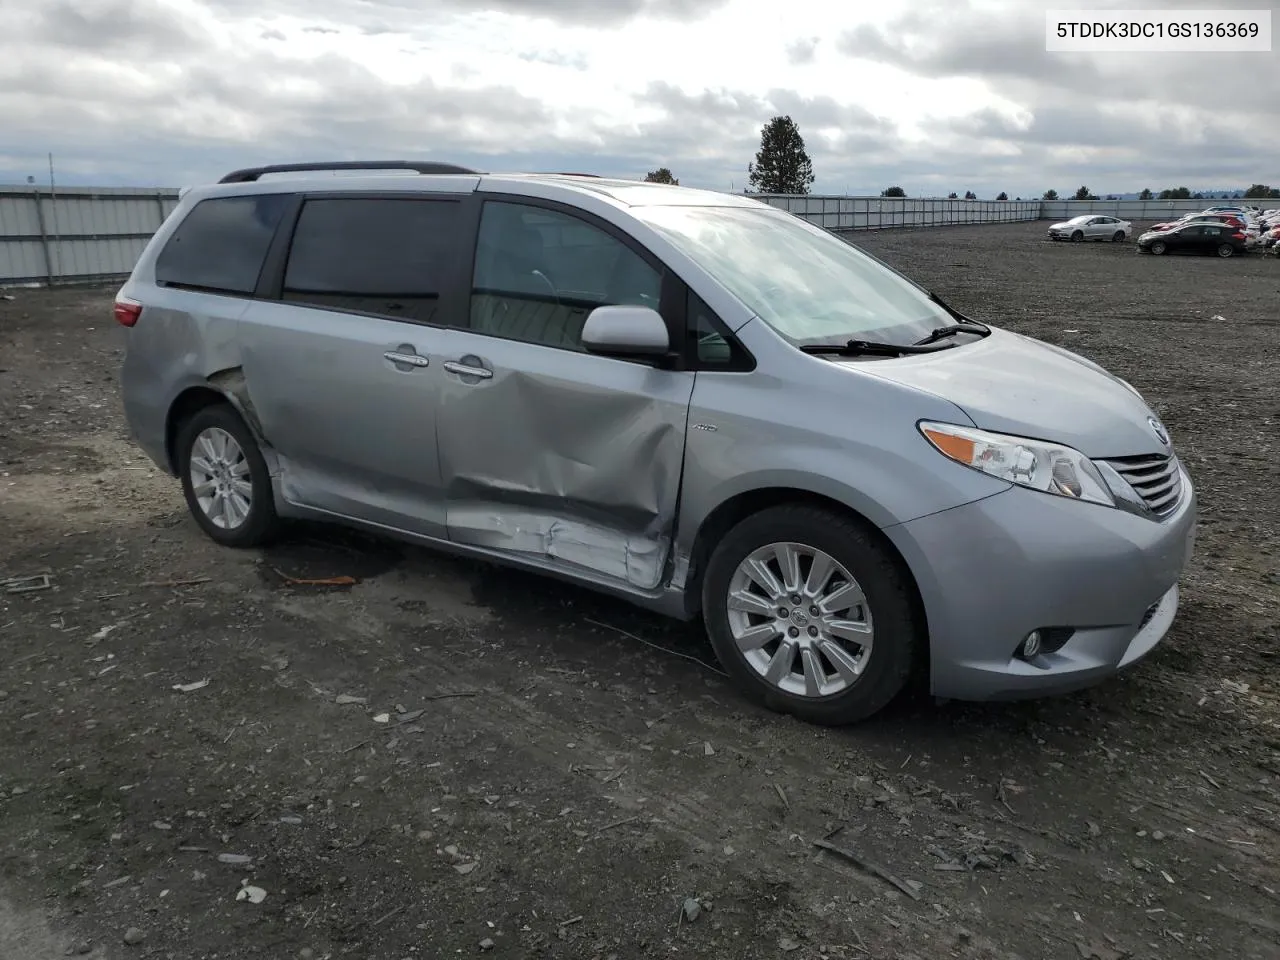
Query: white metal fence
<point x="1139" y="211"/>
<point x="78" y="234"/>
<point x="879" y="213"/>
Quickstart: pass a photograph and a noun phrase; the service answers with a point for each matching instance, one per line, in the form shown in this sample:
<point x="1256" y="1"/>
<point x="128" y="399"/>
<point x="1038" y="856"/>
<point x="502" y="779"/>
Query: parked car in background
<point x="1195" y="237"/>
<point x="1229" y="219"/>
<point x="1091" y="227"/>
<point x="646" y="390"/>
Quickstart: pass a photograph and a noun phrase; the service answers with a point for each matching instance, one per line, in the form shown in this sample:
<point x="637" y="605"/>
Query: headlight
<point x="1047" y="467"/>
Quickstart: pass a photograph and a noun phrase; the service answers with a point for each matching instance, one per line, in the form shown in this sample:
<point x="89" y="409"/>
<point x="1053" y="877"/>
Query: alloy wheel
<point x="220" y="479"/>
<point x="800" y="619"/>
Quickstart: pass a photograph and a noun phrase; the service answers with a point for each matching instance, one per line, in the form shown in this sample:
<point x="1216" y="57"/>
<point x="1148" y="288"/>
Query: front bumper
<point x="992" y="571"/>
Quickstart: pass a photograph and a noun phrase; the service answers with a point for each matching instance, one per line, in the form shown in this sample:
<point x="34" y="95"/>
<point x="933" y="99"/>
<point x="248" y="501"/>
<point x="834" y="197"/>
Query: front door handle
<point x="410" y="359"/>
<point x="467" y="370"/>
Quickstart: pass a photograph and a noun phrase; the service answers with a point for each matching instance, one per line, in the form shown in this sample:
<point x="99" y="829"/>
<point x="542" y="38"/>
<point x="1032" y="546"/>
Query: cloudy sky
<point x="934" y="95"/>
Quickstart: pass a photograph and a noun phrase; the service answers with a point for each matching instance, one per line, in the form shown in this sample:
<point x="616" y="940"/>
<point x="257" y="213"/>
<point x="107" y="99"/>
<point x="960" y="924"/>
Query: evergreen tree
<point x="781" y="164"/>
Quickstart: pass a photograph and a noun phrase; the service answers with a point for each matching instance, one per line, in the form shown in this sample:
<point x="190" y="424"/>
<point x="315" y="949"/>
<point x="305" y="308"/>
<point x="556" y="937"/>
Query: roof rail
<point x="594" y="176"/>
<point x="251" y="174"/>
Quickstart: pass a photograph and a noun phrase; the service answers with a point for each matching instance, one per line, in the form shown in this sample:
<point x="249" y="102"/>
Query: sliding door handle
<point x="467" y="370"/>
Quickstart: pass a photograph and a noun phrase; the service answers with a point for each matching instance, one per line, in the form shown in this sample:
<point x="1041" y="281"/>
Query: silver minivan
<point x="688" y="399"/>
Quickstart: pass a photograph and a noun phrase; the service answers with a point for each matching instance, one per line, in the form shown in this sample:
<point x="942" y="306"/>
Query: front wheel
<point x="810" y="615"/>
<point x="1158" y="247"/>
<point x="1077" y="236"/>
<point x="225" y="479"/>
<point x="1226" y="250"/>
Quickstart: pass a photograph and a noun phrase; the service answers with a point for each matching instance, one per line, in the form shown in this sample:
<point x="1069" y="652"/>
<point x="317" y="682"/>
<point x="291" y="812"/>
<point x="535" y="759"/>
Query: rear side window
<point x="221" y="243"/>
<point x="385" y="256"/>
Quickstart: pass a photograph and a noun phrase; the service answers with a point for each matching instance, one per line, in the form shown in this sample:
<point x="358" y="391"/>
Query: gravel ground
<point x="532" y="770"/>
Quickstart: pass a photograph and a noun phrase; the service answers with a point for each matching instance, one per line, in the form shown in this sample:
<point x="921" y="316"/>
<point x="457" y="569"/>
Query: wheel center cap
<point x="799" y="618"/>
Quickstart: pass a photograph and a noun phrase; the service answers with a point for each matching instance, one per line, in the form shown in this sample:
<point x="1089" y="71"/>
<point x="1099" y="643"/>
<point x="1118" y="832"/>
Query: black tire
<point x="1226" y="250"/>
<point x="1077" y="236"/>
<point x="261" y="525"/>
<point x="898" y="630"/>
<point x="1158" y="247"/>
<point x="1118" y="236"/>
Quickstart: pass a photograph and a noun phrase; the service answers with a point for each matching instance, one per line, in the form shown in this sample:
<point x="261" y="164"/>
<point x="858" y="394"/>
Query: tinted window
<point x="221" y="243"/>
<point x="384" y="256"/>
<point x="539" y="273"/>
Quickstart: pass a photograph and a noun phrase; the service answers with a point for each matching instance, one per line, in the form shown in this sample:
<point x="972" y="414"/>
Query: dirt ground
<point x="532" y="770"/>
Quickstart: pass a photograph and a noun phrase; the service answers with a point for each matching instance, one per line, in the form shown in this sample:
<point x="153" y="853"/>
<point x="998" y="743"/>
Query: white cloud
<point x="935" y="95"/>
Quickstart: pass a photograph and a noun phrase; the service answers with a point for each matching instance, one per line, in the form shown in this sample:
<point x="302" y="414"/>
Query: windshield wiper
<point x="960" y="326"/>
<point x="871" y="348"/>
<point x="962" y="323"/>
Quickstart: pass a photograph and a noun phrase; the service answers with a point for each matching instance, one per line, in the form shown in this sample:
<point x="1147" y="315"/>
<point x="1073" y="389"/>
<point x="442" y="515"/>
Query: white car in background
<point x="1090" y="226"/>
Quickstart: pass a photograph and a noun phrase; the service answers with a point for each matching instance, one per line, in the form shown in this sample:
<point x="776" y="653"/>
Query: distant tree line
<point x="782" y="165"/>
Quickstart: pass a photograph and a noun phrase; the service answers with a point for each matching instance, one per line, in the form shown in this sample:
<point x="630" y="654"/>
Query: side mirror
<point x="626" y="331"/>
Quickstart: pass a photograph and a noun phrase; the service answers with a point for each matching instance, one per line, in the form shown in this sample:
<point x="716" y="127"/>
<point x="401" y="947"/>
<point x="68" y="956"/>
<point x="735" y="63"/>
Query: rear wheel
<point x="1158" y="247"/>
<point x="1226" y="250"/>
<point x="225" y="479"/>
<point x="1117" y="236"/>
<point x="810" y="614"/>
<point x="1077" y="236"/>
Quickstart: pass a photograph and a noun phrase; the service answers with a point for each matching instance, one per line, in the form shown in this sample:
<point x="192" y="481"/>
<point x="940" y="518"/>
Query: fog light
<point x="1031" y="645"/>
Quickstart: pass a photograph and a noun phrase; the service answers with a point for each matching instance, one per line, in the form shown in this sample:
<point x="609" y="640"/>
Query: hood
<point x="1014" y="384"/>
<point x="1063" y="225"/>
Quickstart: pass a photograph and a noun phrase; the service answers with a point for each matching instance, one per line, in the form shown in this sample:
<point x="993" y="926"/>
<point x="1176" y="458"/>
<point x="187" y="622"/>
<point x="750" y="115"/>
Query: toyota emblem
<point x="1158" y="429"/>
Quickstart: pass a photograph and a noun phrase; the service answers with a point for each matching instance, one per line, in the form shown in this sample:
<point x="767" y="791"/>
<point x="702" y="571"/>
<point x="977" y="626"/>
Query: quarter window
<point x="385" y="256"/>
<point x="221" y="244"/>
<point x="539" y="273"/>
<point x="711" y="346"/>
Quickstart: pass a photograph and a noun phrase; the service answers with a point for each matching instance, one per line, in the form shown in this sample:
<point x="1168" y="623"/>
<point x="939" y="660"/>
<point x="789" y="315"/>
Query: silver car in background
<point x="1091" y="227"/>
<point x="689" y="400"/>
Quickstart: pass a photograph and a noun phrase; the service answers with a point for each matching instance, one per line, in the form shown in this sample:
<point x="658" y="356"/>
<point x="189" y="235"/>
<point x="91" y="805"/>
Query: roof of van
<point x="410" y="177"/>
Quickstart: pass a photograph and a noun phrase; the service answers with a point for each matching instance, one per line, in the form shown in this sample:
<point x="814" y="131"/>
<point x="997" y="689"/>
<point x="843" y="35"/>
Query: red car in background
<point x="1228" y="219"/>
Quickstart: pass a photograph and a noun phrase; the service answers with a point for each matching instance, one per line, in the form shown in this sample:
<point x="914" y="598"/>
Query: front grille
<point x="1155" y="479"/>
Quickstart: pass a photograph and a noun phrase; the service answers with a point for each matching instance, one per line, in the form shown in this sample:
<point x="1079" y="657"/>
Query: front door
<point x="548" y="453"/>
<point x="1184" y="240"/>
<point x="344" y="369"/>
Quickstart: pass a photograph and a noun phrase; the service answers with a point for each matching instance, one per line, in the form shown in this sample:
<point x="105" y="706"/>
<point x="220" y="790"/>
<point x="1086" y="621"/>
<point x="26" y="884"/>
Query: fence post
<point x="44" y="235"/>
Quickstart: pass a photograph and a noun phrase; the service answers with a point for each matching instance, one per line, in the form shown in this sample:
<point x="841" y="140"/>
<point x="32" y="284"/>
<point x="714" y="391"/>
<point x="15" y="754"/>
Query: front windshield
<point x="806" y="283"/>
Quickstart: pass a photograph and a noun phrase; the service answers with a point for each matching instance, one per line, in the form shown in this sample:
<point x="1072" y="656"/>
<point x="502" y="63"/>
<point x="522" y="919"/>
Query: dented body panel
<point x="574" y="459"/>
<point x="190" y="338"/>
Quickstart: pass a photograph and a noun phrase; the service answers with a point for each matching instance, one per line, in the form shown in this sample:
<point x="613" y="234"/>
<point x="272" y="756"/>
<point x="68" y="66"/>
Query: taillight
<point x="127" y="313"/>
<point x="1238" y="236"/>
